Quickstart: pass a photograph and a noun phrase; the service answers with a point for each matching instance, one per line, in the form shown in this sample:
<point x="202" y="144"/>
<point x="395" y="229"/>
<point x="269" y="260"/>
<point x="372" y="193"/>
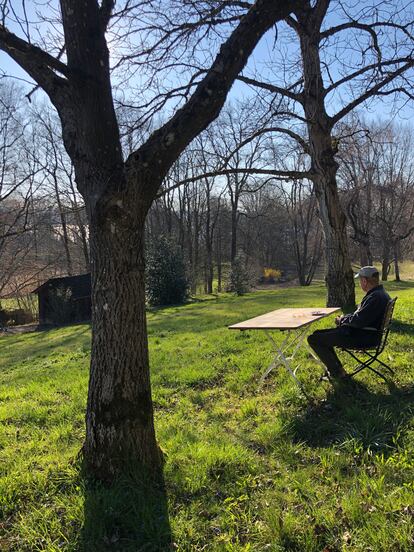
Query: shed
<point x="64" y="300"/>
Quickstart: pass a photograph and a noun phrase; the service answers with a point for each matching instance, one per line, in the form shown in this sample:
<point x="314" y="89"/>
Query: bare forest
<point x="211" y="211"/>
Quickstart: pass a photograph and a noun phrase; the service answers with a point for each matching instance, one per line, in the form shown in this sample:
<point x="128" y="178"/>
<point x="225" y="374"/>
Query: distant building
<point x="64" y="300"/>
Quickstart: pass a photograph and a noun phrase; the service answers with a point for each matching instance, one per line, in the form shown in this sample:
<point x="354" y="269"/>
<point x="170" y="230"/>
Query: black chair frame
<point x="373" y="352"/>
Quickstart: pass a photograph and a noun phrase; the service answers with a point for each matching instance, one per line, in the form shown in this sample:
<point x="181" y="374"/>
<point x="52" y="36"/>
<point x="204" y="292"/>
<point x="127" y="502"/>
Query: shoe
<point x="338" y="374"/>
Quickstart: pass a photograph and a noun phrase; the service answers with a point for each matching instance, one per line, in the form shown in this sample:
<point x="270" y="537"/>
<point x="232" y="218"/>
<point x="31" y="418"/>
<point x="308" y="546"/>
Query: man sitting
<point x="354" y="331"/>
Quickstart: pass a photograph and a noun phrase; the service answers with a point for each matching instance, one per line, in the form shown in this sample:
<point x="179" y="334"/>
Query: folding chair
<point x="372" y="353"/>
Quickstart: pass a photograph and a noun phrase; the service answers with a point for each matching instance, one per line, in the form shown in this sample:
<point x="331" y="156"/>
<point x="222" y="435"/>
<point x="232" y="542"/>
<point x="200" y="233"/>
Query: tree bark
<point x="385" y="265"/>
<point x="65" y="237"/>
<point x="218" y="261"/>
<point x="396" y="263"/>
<point x="209" y="236"/>
<point x="234" y="201"/>
<point x="209" y="267"/>
<point x="365" y="254"/>
<point x="119" y="419"/>
<point x="339" y="275"/>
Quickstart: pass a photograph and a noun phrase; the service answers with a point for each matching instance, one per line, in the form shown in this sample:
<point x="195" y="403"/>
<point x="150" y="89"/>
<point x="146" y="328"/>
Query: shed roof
<point x="68" y="281"/>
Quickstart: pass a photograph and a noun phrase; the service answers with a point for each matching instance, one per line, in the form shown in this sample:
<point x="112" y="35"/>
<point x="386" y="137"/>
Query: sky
<point x="258" y="63"/>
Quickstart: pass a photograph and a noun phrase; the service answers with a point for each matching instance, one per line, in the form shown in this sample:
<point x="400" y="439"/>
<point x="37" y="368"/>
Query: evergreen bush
<point x="240" y="278"/>
<point x="166" y="280"/>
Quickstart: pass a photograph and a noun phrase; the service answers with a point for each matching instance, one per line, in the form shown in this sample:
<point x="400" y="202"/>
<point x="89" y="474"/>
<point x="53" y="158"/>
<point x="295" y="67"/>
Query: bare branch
<point x="371" y="92"/>
<point x="368" y="28"/>
<point x="210" y="95"/>
<point x="272" y="88"/>
<point x="364" y="70"/>
<point x="279" y="175"/>
<point x="37" y="63"/>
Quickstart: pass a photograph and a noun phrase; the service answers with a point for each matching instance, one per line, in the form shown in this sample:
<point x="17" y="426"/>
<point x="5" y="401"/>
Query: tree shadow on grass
<point x="402" y="284"/>
<point x="373" y="420"/>
<point x="400" y="327"/>
<point x="131" y="515"/>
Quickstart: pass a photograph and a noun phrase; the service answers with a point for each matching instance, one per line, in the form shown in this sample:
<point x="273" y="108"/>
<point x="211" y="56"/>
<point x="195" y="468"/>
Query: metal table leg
<point x="293" y="339"/>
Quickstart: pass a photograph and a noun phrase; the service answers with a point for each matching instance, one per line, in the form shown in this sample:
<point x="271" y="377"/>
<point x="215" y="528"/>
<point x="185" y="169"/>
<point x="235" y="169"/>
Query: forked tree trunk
<point x="339" y="276"/>
<point x="119" y="419"/>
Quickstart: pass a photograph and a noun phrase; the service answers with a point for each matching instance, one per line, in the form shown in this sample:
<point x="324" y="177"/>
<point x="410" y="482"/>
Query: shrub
<point x="271" y="275"/>
<point x="15" y="317"/>
<point x="166" y="280"/>
<point x="240" y="278"/>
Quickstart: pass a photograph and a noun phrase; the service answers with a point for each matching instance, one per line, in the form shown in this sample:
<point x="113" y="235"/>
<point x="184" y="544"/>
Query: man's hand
<point x="338" y="320"/>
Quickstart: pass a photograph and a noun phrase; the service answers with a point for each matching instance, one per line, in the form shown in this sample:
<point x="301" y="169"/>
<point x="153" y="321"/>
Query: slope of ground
<point x="246" y="469"/>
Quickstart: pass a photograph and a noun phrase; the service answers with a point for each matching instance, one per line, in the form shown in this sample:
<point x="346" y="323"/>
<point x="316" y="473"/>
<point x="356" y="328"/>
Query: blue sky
<point x="258" y="63"/>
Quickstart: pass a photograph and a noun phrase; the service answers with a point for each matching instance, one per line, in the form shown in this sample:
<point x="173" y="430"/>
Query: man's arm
<point x="365" y="315"/>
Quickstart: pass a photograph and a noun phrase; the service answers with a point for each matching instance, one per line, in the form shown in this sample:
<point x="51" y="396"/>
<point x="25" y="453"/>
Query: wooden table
<point x="295" y="322"/>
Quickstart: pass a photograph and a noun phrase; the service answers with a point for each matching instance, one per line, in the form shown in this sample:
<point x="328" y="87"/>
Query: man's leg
<point x="323" y="343"/>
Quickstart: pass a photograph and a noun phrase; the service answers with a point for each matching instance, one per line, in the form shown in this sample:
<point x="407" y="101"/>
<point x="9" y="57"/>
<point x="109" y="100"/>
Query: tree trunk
<point x="209" y="244"/>
<point x="65" y="237"/>
<point x="219" y="267"/>
<point x="196" y="248"/>
<point x="80" y="224"/>
<point x="365" y="254"/>
<point x="339" y="275"/>
<point x="233" y="246"/>
<point x="385" y="261"/>
<point x="209" y="266"/>
<point x="119" y="420"/>
<point x="396" y="263"/>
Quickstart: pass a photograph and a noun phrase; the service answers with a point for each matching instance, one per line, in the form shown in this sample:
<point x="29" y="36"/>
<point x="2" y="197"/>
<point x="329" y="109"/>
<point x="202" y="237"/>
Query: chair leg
<point x="367" y="364"/>
<point x="378" y="373"/>
<point x="359" y="369"/>
<point x="376" y="359"/>
<point x="385" y="366"/>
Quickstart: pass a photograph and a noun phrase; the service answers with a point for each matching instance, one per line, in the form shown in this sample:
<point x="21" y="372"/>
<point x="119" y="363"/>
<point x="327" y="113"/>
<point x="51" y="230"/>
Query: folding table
<point x="295" y="323"/>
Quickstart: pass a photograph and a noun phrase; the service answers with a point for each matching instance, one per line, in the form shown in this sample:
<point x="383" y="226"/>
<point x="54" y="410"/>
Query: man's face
<point x="364" y="283"/>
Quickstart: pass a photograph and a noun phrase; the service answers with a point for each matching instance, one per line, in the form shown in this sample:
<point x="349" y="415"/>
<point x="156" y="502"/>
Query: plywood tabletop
<point x="285" y="319"/>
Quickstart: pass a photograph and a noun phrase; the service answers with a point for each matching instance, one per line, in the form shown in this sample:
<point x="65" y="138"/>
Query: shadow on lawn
<point x="41" y="344"/>
<point x="371" y="420"/>
<point x="400" y="327"/>
<point x="128" y="516"/>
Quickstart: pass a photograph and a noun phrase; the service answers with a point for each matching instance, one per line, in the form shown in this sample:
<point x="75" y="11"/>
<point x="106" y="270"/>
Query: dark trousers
<point x="324" y="341"/>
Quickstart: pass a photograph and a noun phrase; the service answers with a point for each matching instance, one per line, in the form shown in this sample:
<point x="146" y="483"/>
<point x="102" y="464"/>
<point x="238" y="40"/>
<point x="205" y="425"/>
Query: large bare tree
<point x="118" y="192"/>
<point x="341" y="55"/>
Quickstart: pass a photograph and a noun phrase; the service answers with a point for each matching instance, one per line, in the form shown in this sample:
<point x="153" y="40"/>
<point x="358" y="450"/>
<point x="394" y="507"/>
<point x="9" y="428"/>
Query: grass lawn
<point x="245" y="470"/>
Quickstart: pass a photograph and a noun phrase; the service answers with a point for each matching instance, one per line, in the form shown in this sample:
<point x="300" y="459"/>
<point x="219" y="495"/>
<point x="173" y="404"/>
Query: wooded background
<point x="205" y="207"/>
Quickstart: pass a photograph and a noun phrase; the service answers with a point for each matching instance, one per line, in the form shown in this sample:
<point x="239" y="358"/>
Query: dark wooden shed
<point x="64" y="300"/>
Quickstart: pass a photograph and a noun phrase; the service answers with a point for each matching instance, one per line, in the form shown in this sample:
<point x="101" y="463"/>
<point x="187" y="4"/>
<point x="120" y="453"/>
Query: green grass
<point x="246" y="469"/>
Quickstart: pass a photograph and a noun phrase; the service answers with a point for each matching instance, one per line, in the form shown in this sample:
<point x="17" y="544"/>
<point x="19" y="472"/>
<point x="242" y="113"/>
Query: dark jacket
<point x="370" y="313"/>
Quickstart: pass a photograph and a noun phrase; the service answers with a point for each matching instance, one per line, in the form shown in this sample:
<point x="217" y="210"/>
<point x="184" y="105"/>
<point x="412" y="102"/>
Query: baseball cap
<point x="367" y="272"/>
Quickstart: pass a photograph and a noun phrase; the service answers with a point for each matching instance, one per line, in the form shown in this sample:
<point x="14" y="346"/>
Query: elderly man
<point x="357" y="330"/>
